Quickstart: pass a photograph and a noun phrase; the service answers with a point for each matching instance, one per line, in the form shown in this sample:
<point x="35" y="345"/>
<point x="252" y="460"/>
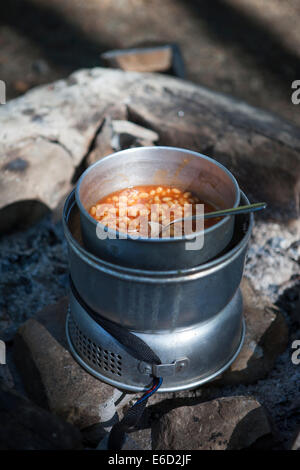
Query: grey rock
<point x="24" y="426"/>
<point x="102" y="145"/>
<point x="120" y="134"/>
<point x="137" y="440"/>
<point x="127" y="134"/>
<point x="142" y="438"/>
<point x="225" y="423"/>
<point x="266" y="338"/>
<point x="54" y="380"/>
<point x="39" y="171"/>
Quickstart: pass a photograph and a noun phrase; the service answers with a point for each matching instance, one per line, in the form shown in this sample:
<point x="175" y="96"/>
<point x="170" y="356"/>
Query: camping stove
<point x="186" y="354"/>
<point x="192" y="318"/>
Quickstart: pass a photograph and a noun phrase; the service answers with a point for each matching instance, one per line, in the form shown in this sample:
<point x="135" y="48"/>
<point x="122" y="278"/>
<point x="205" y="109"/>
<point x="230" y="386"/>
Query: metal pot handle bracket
<point x="164" y="370"/>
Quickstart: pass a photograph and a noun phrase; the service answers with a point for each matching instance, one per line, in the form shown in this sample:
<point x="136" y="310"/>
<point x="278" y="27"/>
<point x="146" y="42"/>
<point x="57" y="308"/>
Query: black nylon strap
<point x="117" y="434"/>
<point x="135" y="345"/>
<point x="139" y="350"/>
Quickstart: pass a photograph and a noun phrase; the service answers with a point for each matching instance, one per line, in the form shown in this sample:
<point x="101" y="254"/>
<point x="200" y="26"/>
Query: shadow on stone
<point x="248" y="426"/>
<point x="20" y="215"/>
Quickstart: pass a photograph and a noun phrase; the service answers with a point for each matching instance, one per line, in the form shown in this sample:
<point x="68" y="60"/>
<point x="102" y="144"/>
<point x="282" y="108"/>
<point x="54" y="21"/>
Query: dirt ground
<point x="250" y="50"/>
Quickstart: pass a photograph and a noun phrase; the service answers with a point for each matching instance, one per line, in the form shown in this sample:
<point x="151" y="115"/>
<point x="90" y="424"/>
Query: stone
<point x="25" y="426"/>
<point x="142" y="438"/>
<point x="226" y="423"/>
<point x="266" y="338"/>
<point x="47" y="135"/>
<point x="54" y="380"/>
<point x="146" y="59"/>
<point x="127" y="134"/>
<point x="118" y="135"/>
<point x="136" y="440"/>
<point x="22" y="180"/>
<point x="103" y="144"/>
<point x="130" y="444"/>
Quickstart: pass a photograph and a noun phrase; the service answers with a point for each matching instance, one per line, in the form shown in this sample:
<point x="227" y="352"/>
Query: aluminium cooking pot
<point x="145" y="300"/>
<point x="189" y="171"/>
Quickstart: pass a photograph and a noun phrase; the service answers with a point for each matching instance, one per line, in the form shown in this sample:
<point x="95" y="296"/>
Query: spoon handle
<point x="236" y="210"/>
<point x="224" y="212"/>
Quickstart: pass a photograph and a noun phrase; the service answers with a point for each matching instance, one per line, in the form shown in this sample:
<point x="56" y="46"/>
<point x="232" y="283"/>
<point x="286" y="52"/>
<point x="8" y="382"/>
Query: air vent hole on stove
<point x="90" y="352"/>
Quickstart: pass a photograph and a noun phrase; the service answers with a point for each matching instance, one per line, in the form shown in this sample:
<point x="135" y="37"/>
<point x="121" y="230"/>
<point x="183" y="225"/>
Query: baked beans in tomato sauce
<point x="124" y="210"/>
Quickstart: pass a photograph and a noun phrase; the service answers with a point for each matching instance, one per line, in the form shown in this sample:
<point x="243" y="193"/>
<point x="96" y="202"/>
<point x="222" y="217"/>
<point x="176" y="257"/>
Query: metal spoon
<point x="209" y="215"/>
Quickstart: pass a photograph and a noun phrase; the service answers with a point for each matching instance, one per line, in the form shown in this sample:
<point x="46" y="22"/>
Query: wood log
<point x="48" y="133"/>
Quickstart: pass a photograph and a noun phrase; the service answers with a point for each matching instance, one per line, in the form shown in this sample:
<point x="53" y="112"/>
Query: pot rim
<point x="212" y="228"/>
<point x="141" y="275"/>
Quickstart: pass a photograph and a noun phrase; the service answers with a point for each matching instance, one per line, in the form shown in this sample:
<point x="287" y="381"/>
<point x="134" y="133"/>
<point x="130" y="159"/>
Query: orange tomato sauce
<point x="129" y="210"/>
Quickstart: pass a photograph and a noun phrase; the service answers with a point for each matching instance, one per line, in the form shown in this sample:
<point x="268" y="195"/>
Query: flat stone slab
<point x="164" y="58"/>
<point x="25" y="426"/>
<point x="53" y="379"/>
<point x="226" y="423"/>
